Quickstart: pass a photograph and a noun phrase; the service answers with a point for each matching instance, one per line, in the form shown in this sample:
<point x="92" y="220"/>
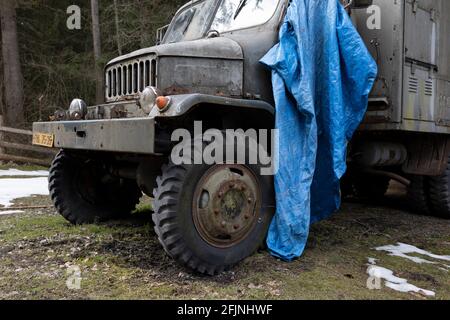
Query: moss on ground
<point x="29" y="167"/>
<point x="123" y="259"/>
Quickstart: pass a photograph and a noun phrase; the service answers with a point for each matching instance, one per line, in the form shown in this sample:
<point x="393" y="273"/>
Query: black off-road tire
<point x="91" y="200"/>
<point x="418" y="195"/>
<point x="347" y="189"/>
<point x="370" y="186"/>
<point x="439" y="193"/>
<point x="177" y="232"/>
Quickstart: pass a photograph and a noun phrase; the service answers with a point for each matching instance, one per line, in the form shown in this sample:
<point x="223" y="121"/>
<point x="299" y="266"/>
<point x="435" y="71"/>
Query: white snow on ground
<point x="394" y="282"/>
<point x="405" y="251"/>
<point x="15" y="172"/>
<point x="8" y="212"/>
<point x="402" y="250"/>
<point x="11" y="189"/>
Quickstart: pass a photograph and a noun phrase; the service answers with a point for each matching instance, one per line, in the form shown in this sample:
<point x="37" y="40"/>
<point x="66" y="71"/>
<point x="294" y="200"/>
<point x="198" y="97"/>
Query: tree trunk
<point x="142" y="20"/>
<point x="2" y="100"/>
<point x="116" y="18"/>
<point x="12" y="71"/>
<point x="2" y="150"/>
<point x="97" y="51"/>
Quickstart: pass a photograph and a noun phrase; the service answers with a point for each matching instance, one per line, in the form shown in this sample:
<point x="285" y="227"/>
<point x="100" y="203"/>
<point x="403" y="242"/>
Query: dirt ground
<point x="123" y="259"/>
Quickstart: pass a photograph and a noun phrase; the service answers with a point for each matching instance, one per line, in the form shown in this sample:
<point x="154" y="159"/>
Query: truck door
<point x="421" y="32"/>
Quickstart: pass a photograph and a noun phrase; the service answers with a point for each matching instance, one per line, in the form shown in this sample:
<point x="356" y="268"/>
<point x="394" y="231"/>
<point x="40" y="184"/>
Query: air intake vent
<point x="129" y="78"/>
<point x="413" y="85"/>
<point x="429" y="88"/>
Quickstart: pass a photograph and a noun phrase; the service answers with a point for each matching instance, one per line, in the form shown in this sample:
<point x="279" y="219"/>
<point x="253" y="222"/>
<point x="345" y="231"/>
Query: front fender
<point x="182" y="104"/>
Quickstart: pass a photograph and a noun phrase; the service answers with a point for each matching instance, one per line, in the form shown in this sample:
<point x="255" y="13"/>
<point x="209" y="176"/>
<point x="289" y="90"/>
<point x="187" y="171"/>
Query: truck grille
<point x="125" y="80"/>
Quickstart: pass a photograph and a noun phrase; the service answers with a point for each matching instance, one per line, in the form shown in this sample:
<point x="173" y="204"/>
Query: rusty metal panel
<point x="421" y="30"/>
<point x="419" y="86"/>
<point x="117" y="135"/>
<point x="209" y="76"/>
<point x="386" y="46"/>
<point x="183" y="103"/>
<point x="412" y="49"/>
<point x="443" y="81"/>
<point x="426" y="70"/>
<point x="419" y="93"/>
<point x="444" y="103"/>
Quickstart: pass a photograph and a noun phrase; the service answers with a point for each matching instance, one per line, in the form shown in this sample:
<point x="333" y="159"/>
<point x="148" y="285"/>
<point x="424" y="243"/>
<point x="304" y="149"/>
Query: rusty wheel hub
<point x="225" y="205"/>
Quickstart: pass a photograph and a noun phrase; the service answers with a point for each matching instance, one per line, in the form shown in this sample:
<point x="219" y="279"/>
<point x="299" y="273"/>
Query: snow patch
<point x="11" y="189"/>
<point x="394" y="282"/>
<point x="402" y="250"/>
<point x="8" y="212"/>
<point x="15" y="173"/>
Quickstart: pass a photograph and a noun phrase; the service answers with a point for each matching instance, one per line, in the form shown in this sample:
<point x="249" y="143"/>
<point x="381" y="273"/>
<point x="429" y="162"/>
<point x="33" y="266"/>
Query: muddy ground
<point x="123" y="259"/>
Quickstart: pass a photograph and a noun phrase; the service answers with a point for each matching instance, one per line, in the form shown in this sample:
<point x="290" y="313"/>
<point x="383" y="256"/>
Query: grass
<point x="11" y="165"/>
<point x="123" y="259"/>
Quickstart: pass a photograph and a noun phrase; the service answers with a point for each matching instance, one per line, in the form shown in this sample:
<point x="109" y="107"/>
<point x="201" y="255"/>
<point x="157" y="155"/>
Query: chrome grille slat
<point x="127" y="79"/>
<point x="138" y="79"/>
<point x="123" y="69"/>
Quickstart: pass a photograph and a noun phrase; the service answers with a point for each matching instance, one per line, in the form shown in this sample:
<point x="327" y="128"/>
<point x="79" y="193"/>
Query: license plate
<point x="43" y="139"/>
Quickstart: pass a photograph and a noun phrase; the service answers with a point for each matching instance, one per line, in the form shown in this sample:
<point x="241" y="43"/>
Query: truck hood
<point x="214" y="48"/>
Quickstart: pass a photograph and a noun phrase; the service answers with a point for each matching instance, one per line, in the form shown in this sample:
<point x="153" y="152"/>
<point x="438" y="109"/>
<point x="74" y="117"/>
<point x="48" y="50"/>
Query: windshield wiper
<point x="241" y="6"/>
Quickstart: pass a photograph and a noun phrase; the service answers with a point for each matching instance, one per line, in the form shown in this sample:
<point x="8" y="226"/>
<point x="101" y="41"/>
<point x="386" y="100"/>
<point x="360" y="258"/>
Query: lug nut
<point x="236" y="226"/>
<point x="246" y="217"/>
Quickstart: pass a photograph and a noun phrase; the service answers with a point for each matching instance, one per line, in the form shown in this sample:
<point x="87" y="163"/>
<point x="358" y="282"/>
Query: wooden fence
<point x="43" y="155"/>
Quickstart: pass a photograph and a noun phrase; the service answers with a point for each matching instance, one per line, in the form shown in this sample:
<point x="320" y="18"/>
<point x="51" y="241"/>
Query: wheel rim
<point x="226" y="204"/>
<point x="92" y="187"/>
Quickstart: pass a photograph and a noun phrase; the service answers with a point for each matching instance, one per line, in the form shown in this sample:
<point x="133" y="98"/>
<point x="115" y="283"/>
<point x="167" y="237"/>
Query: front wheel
<point x="210" y="217"/>
<point x="83" y="192"/>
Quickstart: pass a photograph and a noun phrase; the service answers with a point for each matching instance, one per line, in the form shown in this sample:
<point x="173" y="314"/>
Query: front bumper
<point x="131" y="135"/>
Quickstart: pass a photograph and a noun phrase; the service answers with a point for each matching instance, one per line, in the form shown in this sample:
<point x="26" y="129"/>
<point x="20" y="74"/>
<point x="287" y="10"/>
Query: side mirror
<point x="361" y="3"/>
<point x="160" y="33"/>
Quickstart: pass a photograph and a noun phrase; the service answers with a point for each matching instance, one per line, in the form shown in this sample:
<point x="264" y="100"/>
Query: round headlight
<point x="147" y="99"/>
<point x="77" y="109"/>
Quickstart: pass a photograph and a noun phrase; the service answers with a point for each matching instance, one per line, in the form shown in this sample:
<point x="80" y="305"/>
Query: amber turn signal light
<point x="162" y="103"/>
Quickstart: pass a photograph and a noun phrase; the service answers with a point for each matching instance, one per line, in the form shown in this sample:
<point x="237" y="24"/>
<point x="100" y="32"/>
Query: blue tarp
<point x="322" y="74"/>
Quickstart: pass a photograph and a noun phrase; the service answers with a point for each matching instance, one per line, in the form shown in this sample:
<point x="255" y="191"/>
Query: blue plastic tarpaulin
<point x="322" y="74"/>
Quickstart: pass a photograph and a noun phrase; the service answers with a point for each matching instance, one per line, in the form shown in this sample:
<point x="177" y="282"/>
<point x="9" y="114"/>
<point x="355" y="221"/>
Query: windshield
<point x="239" y="14"/>
<point x="192" y="23"/>
<point x="195" y="21"/>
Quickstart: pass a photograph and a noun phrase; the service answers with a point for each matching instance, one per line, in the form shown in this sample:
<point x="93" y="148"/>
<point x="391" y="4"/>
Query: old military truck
<point x="206" y="68"/>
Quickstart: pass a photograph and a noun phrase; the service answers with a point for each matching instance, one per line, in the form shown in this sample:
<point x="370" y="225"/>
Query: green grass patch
<point x="123" y="260"/>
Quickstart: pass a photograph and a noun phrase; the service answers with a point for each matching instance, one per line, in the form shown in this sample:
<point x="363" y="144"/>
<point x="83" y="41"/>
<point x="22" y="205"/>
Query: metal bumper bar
<point x="132" y="135"/>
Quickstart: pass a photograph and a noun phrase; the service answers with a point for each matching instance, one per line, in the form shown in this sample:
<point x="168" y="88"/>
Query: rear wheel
<point x="418" y="195"/>
<point x="439" y="193"/>
<point x="347" y="186"/>
<point x="210" y="217"/>
<point x="83" y="192"/>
